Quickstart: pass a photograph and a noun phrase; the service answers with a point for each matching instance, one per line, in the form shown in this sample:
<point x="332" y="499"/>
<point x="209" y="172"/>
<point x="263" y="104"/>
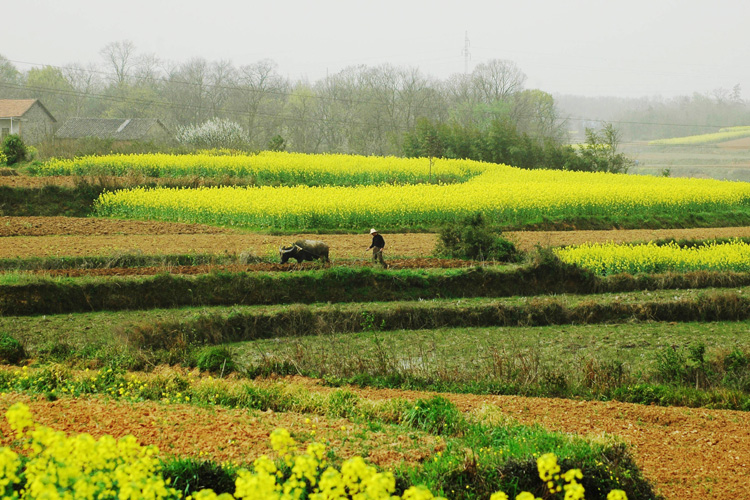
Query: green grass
<point x="49" y="201"/>
<point x="359" y="346"/>
<point x="130" y="259"/>
<point x="471" y="351"/>
<point x="85" y="329"/>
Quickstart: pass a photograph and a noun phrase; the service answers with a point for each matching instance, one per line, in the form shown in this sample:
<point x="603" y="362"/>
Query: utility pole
<point x="466" y="53"/>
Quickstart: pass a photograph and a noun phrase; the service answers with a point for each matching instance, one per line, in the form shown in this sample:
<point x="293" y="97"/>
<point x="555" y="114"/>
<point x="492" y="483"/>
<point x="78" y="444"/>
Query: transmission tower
<point x="466" y="53"/>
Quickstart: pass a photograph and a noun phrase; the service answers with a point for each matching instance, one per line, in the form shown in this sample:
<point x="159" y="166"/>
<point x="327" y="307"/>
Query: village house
<point x="115" y="129"/>
<point x="27" y="118"/>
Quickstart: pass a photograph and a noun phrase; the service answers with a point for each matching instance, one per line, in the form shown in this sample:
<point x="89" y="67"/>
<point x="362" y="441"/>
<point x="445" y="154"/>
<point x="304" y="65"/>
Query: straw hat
<point x="373" y="231"/>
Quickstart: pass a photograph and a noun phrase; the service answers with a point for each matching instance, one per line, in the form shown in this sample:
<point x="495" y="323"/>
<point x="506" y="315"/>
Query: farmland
<point x="450" y="372"/>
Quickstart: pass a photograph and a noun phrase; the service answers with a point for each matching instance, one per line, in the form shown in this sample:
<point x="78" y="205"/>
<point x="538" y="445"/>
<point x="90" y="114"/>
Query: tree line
<point x="360" y="109"/>
<point x="487" y="114"/>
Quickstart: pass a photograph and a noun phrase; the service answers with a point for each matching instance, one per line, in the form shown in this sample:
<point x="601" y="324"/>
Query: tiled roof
<point x="15" y="108"/>
<point x="132" y="129"/>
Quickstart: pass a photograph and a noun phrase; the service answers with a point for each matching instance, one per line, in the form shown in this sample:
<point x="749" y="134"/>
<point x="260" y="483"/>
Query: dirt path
<point x="686" y="453"/>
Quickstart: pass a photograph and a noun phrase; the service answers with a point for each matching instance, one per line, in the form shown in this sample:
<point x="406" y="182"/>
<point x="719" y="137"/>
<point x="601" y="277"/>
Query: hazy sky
<point x="586" y="47"/>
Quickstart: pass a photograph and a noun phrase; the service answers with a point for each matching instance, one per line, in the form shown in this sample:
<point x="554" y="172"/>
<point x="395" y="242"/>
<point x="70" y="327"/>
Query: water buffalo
<point x="303" y="250"/>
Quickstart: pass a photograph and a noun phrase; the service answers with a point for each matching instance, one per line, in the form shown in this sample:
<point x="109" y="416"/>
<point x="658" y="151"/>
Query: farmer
<point x="378" y="243"/>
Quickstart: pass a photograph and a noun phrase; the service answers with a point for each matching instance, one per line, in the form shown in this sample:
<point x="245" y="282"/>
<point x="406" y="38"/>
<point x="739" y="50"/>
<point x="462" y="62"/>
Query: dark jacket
<point x="377" y="241"/>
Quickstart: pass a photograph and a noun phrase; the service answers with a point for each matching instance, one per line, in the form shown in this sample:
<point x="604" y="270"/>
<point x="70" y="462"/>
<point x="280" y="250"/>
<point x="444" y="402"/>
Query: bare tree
<point x="221" y="79"/>
<point x="300" y="123"/>
<point x="497" y="80"/>
<point x="260" y="96"/>
<point x="85" y="82"/>
<point x="119" y="57"/>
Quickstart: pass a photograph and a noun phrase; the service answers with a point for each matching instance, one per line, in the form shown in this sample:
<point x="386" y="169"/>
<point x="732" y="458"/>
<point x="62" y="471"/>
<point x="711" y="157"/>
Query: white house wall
<point x="12" y="125"/>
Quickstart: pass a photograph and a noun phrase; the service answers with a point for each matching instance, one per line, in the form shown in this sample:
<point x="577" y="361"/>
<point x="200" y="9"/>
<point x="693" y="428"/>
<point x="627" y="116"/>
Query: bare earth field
<point x="687" y="453"/>
<point x="25" y="181"/>
<point x="70" y="237"/>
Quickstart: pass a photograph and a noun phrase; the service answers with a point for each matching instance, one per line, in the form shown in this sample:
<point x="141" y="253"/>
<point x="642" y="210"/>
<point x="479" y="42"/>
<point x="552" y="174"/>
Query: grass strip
<point x="23" y="294"/>
<point x="380" y="345"/>
<point x="126" y="260"/>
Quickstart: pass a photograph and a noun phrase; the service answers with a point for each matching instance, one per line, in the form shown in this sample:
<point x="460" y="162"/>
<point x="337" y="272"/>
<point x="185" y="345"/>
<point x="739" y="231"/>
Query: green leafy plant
<point x="436" y="416"/>
<point x="217" y="359"/>
<point x="14" y="149"/>
<point x="190" y="475"/>
<point x="277" y="143"/>
<point x="11" y="350"/>
<point x="471" y="238"/>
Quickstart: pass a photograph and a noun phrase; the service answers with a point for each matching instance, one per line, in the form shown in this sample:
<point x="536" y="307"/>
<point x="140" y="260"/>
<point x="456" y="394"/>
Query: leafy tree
<point x="599" y="154"/>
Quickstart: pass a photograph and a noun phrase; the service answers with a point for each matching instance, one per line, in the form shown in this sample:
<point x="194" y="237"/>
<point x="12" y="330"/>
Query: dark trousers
<point x="377" y="256"/>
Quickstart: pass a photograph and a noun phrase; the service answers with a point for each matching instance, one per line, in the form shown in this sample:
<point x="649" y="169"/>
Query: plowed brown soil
<point x="219" y="434"/>
<point x="85" y="226"/>
<point x="25" y="181"/>
<point x="69" y="236"/>
<point x="686" y="453"/>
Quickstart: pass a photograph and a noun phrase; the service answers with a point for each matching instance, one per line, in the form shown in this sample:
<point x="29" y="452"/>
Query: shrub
<point x="436" y="416"/>
<point x="217" y="360"/>
<point x="11" y="350"/>
<point x="190" y="475"/>
<point x="31" y="153"/>
<point x="14" y="149"/>
<point x="470" y="238"/>
<point x="277" y="143"/>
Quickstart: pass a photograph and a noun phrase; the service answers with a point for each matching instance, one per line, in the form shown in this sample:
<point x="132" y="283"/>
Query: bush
<point x="14" y="149"/>
<point x="11" y="350"/>
<point x="277" y="143"/>
<point x="435" y="416"/>
<point x="190" y="475"/>
<point x="217" y="360"/>
<point x="470" y="238"/>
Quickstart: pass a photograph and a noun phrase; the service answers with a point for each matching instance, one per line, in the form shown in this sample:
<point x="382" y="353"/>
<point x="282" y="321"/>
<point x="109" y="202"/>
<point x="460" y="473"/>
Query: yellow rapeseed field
<point x="267" y="167"/>
<point x="504" y="194"/>
<point x="611" y="258"/>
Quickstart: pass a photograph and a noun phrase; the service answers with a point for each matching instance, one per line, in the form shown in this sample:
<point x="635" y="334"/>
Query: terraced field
<point x="453" y="373"/>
